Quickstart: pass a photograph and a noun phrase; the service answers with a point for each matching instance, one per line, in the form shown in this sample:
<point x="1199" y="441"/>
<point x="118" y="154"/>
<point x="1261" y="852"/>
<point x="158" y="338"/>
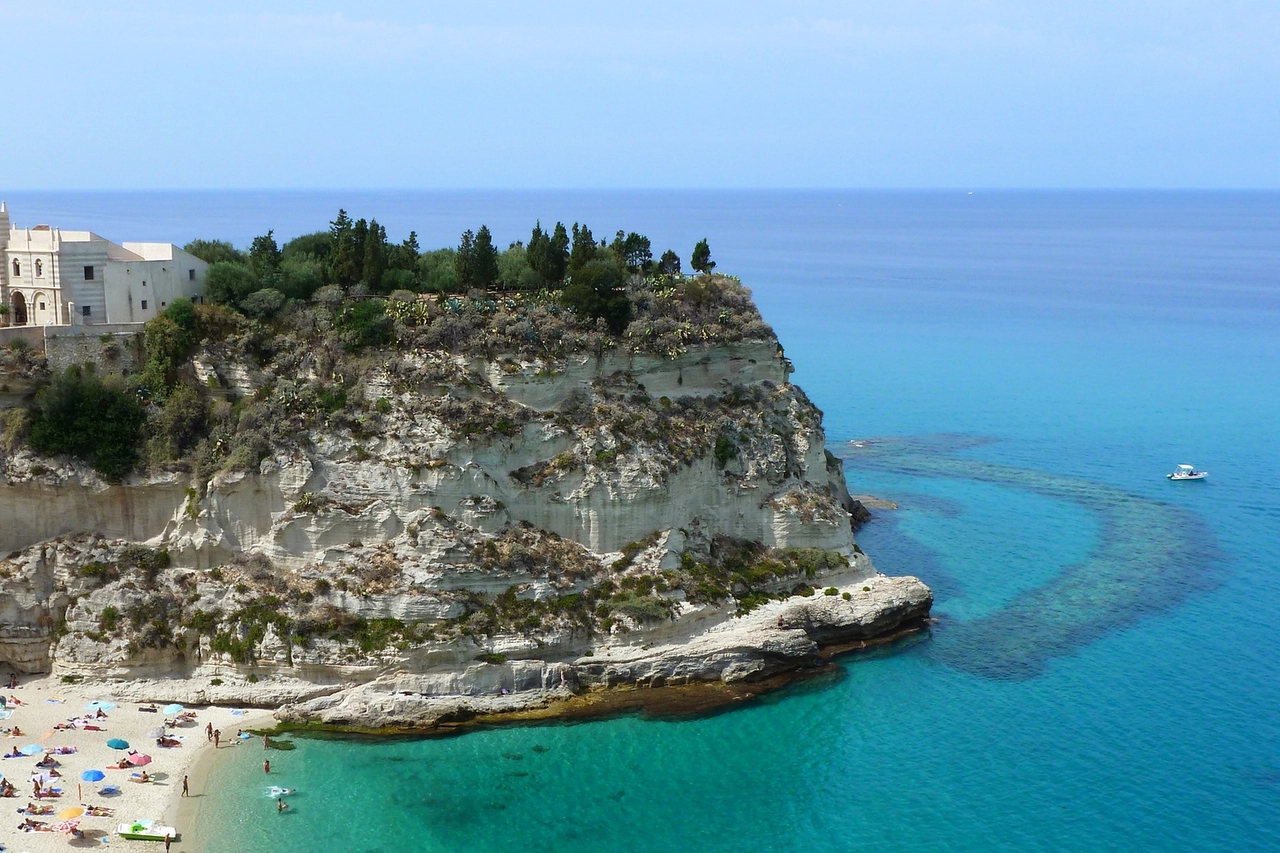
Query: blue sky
<point x="909" y="93"/>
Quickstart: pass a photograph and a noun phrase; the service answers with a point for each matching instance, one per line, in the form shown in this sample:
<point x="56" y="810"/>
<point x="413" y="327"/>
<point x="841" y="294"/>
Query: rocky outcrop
<point x="483" y="535"/>
<point x="779" y="637"/>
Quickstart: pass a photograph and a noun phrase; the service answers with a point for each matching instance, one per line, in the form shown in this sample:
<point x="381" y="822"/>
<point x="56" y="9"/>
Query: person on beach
<point x="266" y="766"/>
<point x="185" y="790"/>
<point x="167" y="841"/>
<point x="217" y="735"/>
<point x="208" y="731"/>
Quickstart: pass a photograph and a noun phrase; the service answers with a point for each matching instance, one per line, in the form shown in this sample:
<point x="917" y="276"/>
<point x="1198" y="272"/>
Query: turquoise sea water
<point x="1103" y="672"/>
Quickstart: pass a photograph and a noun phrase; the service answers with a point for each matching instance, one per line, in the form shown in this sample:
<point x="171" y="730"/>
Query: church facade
<point x="53" y="277"/>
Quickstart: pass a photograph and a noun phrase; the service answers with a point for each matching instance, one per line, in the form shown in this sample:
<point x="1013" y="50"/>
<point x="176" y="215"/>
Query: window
<point x="162" y="304"/>
<point x="84" y="310"/>
<point x="144" y="305"/>
<point x="144" y="284"/>
<point x="17" y="267"/>
<point x="41" y="306"/>
<point x="39" y="268"/>
<point x="191" y="275"/>
<point x="88" y="273"/>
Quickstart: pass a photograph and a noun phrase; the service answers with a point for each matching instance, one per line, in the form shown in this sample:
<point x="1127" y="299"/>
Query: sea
<point x="1017" y="371"/>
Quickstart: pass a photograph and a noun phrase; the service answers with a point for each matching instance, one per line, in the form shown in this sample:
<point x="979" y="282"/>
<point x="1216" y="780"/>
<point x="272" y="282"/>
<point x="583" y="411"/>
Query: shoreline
<point x="47" y="702"/>
<point x="663" y="702"/>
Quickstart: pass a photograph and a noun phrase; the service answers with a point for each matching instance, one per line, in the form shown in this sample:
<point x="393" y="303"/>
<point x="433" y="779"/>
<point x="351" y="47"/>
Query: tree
<point x="514" y="271"/>
<point x="462" y="259"/>
<point x="375" y="255"/>
<point x="345" y="260"/>
<point x="215" y="251"/>
<point x="633" y="250"/>
<point x="559" y="254"/>
<point x="584" y="249"/>
<point x="670" y="263"/>
<point x="264" y="257"/>
<point x="80" y="414"/>
<point x="596" y="292"/>
<point x="701" y="260"/>
<point x="484" y="259"/>
<point x="229" y="282"/>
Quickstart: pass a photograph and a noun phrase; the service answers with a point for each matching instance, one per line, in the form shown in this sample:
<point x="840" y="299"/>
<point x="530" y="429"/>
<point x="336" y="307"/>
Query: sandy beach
<point x="45" y="704"/>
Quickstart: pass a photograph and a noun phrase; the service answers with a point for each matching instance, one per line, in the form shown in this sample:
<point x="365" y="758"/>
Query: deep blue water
<point x="1041" y="360"/>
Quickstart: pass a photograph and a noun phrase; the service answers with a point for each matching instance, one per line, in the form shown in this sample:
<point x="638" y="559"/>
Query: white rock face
<point x="345" y="533"/>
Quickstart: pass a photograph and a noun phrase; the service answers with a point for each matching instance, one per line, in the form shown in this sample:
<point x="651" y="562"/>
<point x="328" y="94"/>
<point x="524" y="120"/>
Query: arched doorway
<point x="19" y="310"/>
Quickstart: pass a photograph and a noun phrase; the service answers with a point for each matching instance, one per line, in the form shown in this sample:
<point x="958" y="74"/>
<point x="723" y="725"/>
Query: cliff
<point x="423" y="532"/>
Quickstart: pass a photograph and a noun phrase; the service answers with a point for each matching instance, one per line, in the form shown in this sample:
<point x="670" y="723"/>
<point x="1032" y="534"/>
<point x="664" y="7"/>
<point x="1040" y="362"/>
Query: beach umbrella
<point x="139" y="760"/>
<point x="32" y="749"/>
<point x="175" y="708"/>
<point x="71" y="813"/>
<point x="66" y="826"/>
<point x="158" y="731"/>
<point x="98" y="703"/>
<point x="93" y="776"/>
<point x="117" y="743"/>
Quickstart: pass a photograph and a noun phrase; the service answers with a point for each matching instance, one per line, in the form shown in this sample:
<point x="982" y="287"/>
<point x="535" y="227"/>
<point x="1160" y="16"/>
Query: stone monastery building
<point x="52" y="277"/>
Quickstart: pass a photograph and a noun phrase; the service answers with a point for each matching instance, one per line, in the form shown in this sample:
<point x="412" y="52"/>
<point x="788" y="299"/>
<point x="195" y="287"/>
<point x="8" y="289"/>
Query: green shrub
<point x="725" y="451"/>
<point x="253" y="678"/>
<point x="846" y="596"/>
<point x="491" y="657"/>
<point x="109" y="619"/>
<point x="98" y="421"/>
<point x="216" y="682"/>
<point x="831" y="590"/>
<point x="365" y="324"/>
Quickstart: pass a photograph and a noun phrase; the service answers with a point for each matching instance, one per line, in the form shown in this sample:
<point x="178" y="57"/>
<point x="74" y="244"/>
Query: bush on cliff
<point x="84" y="416"/>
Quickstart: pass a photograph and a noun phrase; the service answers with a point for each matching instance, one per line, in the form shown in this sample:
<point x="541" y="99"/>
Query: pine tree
<point x="375" y="255"/>
<point x="584" y="248"/>
<point x="559" y="254"/>
<point x="539" y="253"/>
<point x="670" y="263"/>
<point x="462" y="260"/>
<point x="484" y="259"/>
<point x="701" y="260"/>
<point x="342" y="265"/>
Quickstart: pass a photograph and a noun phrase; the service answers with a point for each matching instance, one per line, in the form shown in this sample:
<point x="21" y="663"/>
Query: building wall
<point x="157" y="283"/>
<point x="76" y="291"/>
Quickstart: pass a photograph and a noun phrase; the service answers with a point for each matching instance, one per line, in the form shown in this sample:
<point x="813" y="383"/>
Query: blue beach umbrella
<point x="32" y="749"/>
<point x="93" y="776"/>
<point x="96" y="704"/>
<point x="175" y="708"/>
<point x="117" y="743"/>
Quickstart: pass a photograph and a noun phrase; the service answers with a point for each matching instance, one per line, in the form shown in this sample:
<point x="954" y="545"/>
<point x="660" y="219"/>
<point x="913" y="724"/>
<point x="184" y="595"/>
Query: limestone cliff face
<point x="529" y="514"/>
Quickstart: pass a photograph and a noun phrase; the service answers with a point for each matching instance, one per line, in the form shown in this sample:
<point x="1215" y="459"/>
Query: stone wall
<point x="114" y="349"/>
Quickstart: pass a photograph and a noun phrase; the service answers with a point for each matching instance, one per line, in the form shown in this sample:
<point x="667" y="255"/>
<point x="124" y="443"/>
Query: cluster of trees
<point x="356" y="252"/>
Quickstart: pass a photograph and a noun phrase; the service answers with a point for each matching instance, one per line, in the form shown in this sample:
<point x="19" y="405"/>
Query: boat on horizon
<point x="1187" y="472"/>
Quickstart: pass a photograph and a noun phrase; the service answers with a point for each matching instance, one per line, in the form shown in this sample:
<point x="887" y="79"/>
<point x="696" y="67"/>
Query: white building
<point x="55" y="277"/>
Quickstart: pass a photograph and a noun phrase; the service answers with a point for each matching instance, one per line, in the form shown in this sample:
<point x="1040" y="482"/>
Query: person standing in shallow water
<point x="217" y="735"/>
<point x="266" y="766"/>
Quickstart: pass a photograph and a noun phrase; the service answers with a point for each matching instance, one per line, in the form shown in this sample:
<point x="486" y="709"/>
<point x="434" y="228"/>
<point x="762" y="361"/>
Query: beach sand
<point x="41" y="710"/>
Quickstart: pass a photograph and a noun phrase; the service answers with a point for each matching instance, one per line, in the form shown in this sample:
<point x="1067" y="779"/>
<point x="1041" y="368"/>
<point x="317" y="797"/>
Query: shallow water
<point x="1102" y="674"/>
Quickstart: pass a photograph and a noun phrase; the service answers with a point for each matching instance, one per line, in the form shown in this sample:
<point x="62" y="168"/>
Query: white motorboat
<point x="1188" y="472"/>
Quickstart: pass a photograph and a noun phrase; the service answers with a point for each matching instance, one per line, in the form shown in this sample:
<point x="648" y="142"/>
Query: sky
<point x="891" y="94"/>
